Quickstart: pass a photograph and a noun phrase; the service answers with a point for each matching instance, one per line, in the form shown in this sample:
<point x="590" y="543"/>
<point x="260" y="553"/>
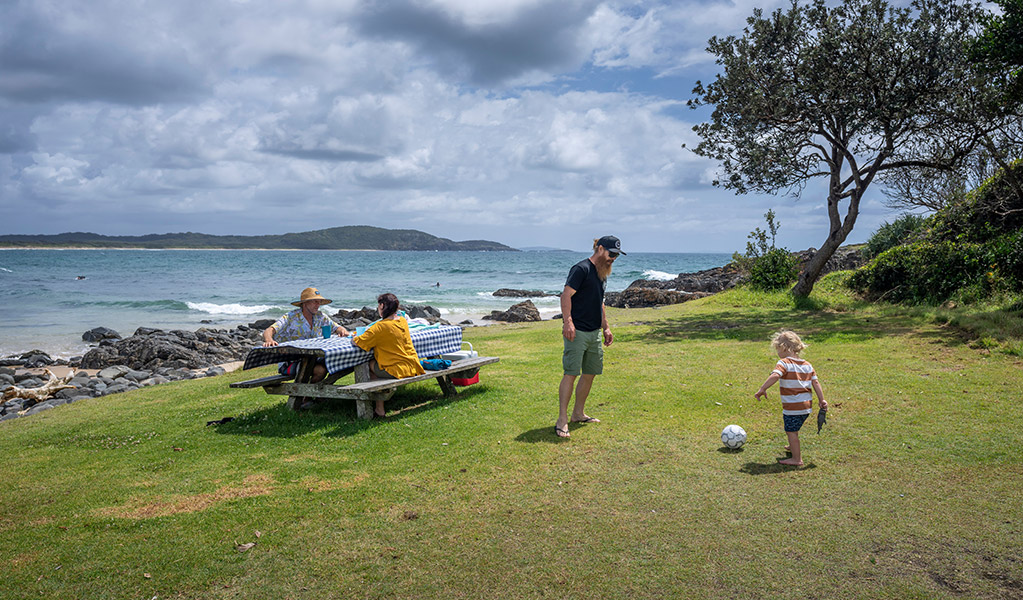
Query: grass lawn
<point x="913" y="489"/>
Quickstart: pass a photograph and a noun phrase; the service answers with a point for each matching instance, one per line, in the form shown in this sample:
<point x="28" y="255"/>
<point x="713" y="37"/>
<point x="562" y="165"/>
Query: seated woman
<point x="389" y="340"/>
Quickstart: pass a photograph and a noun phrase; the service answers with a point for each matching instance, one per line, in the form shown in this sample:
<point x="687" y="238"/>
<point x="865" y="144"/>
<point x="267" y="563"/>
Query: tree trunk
<point x="815" y="266"/>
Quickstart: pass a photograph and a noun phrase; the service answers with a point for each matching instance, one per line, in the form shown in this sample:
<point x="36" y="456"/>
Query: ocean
<point x="49" y="298"/>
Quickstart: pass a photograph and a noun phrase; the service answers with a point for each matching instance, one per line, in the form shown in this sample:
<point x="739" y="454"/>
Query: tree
<point x="848" y="93"/>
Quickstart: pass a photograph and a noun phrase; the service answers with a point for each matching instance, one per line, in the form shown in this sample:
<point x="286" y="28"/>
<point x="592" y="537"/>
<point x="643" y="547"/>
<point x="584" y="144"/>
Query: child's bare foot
<point x="790" y="462"/>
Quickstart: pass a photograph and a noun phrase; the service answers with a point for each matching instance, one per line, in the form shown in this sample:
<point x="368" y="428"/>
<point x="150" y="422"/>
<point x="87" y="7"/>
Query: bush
<point x="927" y="272"/>
<point x="775" y="269"/>
<point x="991" y="210"/>
<point x="888" y="235"/>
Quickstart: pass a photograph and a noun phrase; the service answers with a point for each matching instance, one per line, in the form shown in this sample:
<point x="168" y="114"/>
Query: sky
<point x="526" y="122"/>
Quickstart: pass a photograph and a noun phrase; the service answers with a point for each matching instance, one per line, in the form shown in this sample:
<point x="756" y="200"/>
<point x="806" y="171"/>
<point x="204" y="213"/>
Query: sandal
<point x="562" y="433"/>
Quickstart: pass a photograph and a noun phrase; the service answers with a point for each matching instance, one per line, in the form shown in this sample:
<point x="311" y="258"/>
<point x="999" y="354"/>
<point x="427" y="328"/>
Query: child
<point x="796" y="377"/>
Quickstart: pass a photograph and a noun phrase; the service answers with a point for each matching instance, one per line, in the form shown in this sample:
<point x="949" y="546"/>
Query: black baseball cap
<point x="613" y="244"/>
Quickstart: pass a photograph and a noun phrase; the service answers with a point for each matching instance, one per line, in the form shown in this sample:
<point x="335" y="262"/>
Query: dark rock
<point x="519" y="313"/>
<point x="711" y="281"/>
<point x="511" y="293"/>
<point x="100" y="333"/>
<point x="214" y="371"/>
<point x="640" y="297"/>
<point x="38" y="360"/>
<point x="7" y="371"/>
<point x="147" y="331"/>
<point x="261" y="324"/>
<point x="9" y="416"/>
<point x="11" y="362"/>
<point x="31" y="382"/>
<point x="844" y="259"/>
<point x="38" y="408"/>
<point x="5" y="378"/>
<point x="22" y="376"/>
<point x="557" y="316"/>
<point x="466" y="322"/>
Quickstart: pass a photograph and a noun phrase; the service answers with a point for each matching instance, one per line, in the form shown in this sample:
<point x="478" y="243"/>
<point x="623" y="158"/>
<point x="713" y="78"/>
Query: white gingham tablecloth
<point x="340" y="353"/>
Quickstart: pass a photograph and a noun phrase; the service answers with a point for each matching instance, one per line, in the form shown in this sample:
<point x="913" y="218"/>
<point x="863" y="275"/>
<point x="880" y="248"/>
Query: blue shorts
<point x="794" y="422"/>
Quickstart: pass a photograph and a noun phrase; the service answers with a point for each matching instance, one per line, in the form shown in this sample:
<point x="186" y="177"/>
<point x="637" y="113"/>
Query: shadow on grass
<point x="753" y="468"/>
<point x="544" y="435"/>
<point x="339" y="417"/>
<point x="740" y="325"/>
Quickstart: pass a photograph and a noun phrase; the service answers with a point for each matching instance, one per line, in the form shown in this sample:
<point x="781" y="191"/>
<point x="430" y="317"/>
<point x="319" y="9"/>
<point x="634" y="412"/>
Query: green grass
<point x="913" y="490"/>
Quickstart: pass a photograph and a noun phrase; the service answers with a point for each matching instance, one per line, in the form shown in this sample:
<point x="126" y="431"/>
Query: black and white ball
<point x="733" y="436"/>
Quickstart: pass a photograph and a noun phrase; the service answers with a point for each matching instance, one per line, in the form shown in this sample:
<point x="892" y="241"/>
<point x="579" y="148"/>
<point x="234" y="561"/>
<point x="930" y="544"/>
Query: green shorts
<point x="584" y="354"/>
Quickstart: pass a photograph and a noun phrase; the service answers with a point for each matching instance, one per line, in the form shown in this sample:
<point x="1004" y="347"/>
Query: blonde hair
<point x="788" y="341"/>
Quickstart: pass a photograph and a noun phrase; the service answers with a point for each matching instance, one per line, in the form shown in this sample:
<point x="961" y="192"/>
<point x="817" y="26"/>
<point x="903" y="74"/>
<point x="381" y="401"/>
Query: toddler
<point x="796" y="378"/>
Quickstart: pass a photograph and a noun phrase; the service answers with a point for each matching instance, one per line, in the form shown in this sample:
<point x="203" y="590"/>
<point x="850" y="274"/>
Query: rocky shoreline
<point x="149" y="357"/>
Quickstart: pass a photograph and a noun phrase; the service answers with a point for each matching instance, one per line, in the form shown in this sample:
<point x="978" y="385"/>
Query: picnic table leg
<point x="446" y="387"/>
<point x="363" y="408"/>
<point x="305" y="373"/>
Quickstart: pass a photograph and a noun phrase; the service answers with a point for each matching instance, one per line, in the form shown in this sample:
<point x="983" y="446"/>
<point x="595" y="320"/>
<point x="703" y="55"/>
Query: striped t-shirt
<point x="796" y="385"/>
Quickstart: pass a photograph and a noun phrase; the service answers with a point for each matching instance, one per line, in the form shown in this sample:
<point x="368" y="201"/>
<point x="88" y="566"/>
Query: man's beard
<point x="604" y="270"/>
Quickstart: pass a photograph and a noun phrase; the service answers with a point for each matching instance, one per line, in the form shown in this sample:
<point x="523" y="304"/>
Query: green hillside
<point x="351" y="237"/>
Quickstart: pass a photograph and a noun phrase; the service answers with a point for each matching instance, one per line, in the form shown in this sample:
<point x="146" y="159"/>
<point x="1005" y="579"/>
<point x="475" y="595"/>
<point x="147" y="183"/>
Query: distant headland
<point x="351" y="237"/>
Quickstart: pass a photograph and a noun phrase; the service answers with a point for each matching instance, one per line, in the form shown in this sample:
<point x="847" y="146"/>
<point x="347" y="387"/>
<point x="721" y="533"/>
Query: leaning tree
<point x="847" y="93"/>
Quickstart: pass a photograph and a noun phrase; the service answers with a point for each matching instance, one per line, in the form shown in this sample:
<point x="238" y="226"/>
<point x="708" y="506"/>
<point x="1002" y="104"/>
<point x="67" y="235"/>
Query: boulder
<point x="100" y="333"/>
<point x="519" y="313"/>
<point x="113" y="372"/>
<point x="640" y="297"/>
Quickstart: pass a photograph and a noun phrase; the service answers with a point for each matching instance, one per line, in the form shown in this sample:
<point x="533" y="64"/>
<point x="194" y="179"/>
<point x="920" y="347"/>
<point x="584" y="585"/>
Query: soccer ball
<point x="733" y="436"/>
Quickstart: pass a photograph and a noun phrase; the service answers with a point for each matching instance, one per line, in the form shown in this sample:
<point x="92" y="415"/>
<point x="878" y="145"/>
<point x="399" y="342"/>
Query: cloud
<point x="487" y="43"/>
<point x="525" y="121"/>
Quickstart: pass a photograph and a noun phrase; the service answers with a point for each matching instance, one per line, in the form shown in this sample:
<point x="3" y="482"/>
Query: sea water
<point x="48" y="298"/>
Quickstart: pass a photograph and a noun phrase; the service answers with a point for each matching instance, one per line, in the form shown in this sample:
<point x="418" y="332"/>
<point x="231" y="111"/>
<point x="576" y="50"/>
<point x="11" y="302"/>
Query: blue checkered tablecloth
<point x="340" y="353"/>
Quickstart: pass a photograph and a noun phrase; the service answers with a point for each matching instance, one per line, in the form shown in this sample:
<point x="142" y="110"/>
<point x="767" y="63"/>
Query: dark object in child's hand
<point x="822" y="418"/>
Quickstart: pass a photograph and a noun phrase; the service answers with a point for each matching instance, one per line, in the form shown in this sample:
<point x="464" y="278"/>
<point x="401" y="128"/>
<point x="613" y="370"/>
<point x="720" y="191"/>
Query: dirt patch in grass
<point x="952" y="568"/>
<point x="253" y="485"/>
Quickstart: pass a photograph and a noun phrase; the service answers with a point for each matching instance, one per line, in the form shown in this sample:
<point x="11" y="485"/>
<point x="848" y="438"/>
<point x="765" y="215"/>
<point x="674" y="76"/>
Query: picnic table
<point x="342" y="357"/>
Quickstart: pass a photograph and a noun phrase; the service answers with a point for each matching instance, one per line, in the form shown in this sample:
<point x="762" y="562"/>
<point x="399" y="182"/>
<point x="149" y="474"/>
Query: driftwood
<point x="47" y="390"/>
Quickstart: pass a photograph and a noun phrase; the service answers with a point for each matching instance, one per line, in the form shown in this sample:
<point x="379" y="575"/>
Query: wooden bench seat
<point x="262" y="381"/>
<point x="365" y="391"/>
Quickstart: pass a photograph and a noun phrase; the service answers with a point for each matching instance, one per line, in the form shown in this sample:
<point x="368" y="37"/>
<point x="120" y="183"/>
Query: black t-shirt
<point x="589" y="296"/>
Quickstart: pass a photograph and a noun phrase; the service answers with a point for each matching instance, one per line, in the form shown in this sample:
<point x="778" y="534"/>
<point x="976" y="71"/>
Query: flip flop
<point x="562" y="433"/>
<point x="588" y="420"/>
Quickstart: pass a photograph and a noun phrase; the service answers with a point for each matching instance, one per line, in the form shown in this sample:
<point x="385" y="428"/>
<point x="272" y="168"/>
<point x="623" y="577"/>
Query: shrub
<point x="778" y="268"/>
<point x="926" y="272"/>
<point x="768" y="267"/>
<point x="991" y="210"/>
<point x="889" y="235"/>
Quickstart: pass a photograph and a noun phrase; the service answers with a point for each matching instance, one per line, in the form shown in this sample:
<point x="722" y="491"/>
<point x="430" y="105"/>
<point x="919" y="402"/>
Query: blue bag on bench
<point x="435" y="364"/>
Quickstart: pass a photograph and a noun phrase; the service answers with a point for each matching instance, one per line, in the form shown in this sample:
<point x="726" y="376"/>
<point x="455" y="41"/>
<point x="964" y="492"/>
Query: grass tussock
<point x="912" y="490"/>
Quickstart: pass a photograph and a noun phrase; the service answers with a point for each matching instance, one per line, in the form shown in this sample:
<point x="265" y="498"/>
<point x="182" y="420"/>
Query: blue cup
<point x="327" y="330"/>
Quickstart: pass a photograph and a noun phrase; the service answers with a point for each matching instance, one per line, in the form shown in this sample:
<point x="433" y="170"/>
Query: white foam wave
<point x="658" y="275"/>
<point x="228" y="309"/>
<point x="6" y="270"/>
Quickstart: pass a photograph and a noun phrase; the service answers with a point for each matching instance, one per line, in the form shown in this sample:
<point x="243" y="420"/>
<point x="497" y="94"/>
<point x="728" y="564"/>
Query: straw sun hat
<point x="310" y="293"/>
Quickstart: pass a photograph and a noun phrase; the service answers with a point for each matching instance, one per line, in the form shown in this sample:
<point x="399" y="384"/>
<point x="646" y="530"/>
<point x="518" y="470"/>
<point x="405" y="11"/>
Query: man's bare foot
<point x="790" y="462"/>
<point x="561" y="432"/>
<point x="586" y="419"/>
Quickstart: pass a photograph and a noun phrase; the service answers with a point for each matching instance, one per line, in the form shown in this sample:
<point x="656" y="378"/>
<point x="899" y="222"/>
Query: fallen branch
<point x="44" y="392"/>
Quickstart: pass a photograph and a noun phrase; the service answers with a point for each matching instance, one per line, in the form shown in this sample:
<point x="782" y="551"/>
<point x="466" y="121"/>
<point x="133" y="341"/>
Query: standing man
<point x="304" y="323"/>
<point x="584" y="324"/>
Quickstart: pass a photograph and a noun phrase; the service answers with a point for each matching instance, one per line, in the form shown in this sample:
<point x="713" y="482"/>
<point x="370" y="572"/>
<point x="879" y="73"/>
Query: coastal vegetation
<point x="856" y="92"/>
<point x="912" y="490"/>
<point x="351" y="237"/>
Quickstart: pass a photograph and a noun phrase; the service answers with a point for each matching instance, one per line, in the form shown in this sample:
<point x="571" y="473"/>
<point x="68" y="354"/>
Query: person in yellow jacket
<point x="389" y="340"/>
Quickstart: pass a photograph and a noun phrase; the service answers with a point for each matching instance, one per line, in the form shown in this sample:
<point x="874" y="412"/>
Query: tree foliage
<point x="846" y="93"/>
